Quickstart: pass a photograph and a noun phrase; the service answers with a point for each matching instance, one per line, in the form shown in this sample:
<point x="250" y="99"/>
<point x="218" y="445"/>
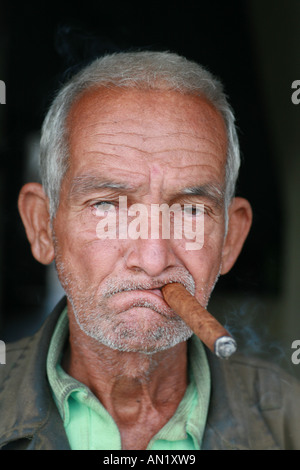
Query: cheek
<point x="204" y="264"/>
<point x="84" y="254"/>
<point x="97" y="257"/>
<point x="210" y="248"/>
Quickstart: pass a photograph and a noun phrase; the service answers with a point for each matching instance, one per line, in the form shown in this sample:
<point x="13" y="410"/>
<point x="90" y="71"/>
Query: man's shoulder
<point x="18" y="352"/>
<point x="14" y="352"/>
<point x="255" y="404"/>
<point x="25" y="398"/>
<point x="253" y="364"/>
<point x="265" y="382"/>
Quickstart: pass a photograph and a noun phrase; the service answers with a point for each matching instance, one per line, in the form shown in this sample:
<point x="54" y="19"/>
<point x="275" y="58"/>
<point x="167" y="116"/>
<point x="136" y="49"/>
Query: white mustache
<point x="115" y="286"/>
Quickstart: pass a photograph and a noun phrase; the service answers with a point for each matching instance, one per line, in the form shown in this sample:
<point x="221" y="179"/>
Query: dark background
<point x="252" y="46"/>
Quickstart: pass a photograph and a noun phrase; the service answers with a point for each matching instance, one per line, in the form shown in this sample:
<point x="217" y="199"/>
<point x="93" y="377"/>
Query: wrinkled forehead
<point x="145" y="112"/>
<point x="134" y="131"/>
<point x="139" y="137"/>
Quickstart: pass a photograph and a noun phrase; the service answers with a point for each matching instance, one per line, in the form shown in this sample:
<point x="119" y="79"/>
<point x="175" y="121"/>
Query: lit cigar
<point x="203" y="324"/>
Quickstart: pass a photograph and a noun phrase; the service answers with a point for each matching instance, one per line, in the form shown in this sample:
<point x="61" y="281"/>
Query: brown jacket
<point x="253" y="405"/>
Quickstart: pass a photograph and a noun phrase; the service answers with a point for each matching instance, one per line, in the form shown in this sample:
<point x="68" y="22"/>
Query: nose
<point x="152" y="257"/>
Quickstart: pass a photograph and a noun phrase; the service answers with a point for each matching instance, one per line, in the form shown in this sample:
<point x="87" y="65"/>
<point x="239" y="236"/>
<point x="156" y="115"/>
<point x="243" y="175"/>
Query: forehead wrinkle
<point x="154" y="136"/>
<point x="119" y="145"/>
<point x="159" y="136"/>
<point x="157" y="144"/>
<point x="153" y="152"/>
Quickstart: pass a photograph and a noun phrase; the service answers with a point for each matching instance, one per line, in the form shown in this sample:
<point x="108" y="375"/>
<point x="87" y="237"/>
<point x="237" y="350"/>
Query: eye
<point x="194" y="210"/>
<point x="103" y="207"/>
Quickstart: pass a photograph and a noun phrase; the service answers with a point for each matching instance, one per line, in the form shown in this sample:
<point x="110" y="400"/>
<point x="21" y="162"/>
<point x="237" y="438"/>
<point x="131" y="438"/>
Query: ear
<point x="239" y="223"/>
<point x="33" y="208"/>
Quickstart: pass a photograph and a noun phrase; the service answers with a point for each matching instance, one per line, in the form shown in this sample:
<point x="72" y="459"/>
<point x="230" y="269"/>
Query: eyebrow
<point x="86" y="184"/>
<point x="211" y="191"/>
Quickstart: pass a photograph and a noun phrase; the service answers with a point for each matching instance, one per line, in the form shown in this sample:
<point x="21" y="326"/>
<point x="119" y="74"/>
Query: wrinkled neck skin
<point x="140" y="391"/>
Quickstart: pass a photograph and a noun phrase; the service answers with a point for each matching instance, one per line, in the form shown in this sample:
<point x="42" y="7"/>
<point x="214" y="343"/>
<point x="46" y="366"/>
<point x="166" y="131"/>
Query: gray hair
<point x="144" y="70"/>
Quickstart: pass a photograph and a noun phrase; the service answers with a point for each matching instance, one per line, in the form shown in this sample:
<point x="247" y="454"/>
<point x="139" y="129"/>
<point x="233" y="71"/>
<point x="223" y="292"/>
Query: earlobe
<point x="33" y="208"/>
<point x="239" y="223"/>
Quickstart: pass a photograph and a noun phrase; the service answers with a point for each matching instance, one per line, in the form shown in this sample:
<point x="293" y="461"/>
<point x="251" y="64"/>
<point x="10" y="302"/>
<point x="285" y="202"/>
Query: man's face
<point x="152" y="148"/>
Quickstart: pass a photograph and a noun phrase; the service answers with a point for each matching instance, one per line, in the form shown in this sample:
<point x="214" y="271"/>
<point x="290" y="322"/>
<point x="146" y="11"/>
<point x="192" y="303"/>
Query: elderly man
<point x="114" y="367"/>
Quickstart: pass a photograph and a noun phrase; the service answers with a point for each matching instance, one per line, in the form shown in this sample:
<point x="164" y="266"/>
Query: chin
<point x="135" y="338"/>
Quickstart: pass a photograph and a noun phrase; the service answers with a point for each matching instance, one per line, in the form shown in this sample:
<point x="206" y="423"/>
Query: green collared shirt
<point x="88" y="424"/>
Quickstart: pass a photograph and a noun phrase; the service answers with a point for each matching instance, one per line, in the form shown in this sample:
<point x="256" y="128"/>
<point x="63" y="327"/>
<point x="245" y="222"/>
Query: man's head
<point x="156" y="129"/>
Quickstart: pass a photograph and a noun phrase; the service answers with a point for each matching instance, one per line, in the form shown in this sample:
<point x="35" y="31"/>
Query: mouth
<point x="157" y="291"/>
<point x="145" y="297"/>
<point x="142" y="292"/>
<point x="137" y="288"/>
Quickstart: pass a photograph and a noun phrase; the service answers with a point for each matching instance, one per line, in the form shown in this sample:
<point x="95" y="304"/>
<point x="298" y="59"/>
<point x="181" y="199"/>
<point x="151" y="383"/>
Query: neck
<point x="140" y="391"/>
